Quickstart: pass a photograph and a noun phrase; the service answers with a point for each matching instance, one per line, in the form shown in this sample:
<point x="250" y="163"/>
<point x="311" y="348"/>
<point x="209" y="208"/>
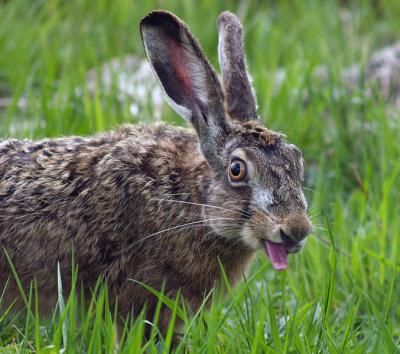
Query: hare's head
<point x="255" y="195"/>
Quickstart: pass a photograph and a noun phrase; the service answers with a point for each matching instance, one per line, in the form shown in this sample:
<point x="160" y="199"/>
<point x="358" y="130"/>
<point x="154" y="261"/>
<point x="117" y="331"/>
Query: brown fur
<point x="151" y="203"/>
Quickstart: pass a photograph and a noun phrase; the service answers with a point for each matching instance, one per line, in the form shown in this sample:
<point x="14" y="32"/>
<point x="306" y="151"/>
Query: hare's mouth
<point x="278" y="252"/>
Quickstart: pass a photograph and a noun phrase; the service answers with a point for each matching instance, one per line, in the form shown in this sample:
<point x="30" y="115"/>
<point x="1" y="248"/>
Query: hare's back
<point x="59" y="178"/>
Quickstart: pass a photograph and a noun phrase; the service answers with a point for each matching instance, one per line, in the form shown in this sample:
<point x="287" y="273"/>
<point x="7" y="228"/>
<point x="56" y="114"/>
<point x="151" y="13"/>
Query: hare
<point x="157" y="203"/>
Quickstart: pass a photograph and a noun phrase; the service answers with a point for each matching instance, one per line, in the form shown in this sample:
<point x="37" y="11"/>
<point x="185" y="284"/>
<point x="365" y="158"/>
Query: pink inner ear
<point x="179" y="62"/>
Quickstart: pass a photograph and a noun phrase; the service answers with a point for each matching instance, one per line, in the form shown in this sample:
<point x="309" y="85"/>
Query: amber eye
<point x="237" y="170"/>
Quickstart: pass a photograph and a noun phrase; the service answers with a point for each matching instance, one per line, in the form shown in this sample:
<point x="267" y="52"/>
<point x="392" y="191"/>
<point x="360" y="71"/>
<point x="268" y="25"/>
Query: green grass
<point x="342" y="293"/>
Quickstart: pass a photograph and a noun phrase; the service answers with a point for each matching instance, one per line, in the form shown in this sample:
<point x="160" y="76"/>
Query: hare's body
<point x="101" y="196"/>
<point x="158" y="203"/>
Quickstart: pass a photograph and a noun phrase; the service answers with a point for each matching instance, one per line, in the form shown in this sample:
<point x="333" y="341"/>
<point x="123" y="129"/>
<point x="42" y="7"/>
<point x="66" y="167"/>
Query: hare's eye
<point x="237" y="170"/>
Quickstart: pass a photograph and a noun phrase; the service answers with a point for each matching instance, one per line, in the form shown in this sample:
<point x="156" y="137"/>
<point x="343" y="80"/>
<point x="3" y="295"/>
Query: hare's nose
<point x="297" y="227"/>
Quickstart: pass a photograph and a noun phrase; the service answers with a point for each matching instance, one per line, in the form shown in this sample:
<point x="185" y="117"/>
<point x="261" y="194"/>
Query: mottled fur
<point x="152" y="203"/>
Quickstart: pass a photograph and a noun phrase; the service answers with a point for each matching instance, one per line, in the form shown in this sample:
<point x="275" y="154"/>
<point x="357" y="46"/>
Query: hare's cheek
<point x="225" y="227"/>
<point x="259" y="227"/>
<point x="249" y="237"/>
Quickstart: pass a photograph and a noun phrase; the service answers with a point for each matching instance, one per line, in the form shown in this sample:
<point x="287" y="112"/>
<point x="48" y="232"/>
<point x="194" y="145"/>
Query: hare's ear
<point x="240" y="95"/>
<point x="188" y="80"/>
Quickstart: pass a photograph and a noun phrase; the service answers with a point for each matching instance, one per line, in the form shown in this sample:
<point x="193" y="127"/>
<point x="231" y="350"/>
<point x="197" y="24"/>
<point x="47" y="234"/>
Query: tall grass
<point x="342" y="293"/>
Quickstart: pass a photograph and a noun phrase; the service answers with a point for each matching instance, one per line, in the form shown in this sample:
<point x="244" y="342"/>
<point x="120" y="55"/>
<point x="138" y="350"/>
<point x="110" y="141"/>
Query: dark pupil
<point x="235" y="168"/>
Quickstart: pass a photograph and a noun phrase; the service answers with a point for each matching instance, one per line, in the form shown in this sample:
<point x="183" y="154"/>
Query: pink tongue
<point x="278" y="255"/>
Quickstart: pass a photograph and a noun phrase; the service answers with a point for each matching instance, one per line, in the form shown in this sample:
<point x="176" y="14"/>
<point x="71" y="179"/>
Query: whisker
<point x="200" y="204"/>
<point x="233" y="218"/>
<point x="266" y="215"/>
<point x="198" y="215"/>
<point x="311" y="190"/>
<point x="238" y="209"/>
<point x="191" y="224"/>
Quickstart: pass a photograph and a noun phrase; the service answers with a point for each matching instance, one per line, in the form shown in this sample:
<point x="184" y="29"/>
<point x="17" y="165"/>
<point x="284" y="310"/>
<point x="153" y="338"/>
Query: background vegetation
<point x="332" y="299"/>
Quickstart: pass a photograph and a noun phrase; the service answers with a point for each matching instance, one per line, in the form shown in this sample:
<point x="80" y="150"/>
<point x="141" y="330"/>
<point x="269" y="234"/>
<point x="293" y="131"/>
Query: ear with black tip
<point x="240" y="96"/>
<point x="189" y="82"/>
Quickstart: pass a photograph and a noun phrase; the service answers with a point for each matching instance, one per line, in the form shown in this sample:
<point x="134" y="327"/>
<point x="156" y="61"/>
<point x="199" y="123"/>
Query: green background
<point x="344" y="298"/>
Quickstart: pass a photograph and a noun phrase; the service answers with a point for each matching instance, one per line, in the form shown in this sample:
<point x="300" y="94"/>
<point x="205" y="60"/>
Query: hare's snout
<point x="296" y="228"/>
